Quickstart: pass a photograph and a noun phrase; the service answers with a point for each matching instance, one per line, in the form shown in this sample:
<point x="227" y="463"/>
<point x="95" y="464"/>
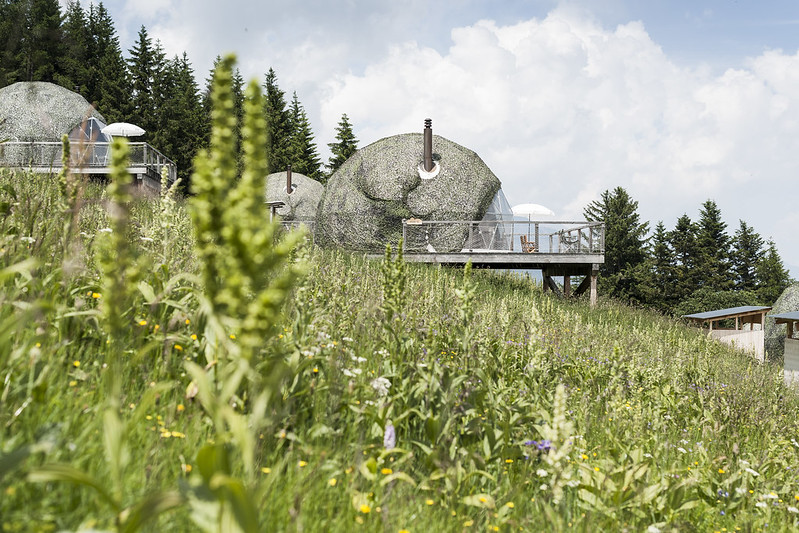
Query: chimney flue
<point x="428" y="145"/>
<point x="288" y="179"/>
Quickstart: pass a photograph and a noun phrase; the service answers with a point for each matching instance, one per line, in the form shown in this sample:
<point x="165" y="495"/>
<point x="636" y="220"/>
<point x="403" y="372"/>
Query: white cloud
<point x="562" y="109"/>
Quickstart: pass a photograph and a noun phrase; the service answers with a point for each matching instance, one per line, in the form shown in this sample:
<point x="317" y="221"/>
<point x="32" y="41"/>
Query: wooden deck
<point x="563" y="248"/>
<point x="91" y="158"/>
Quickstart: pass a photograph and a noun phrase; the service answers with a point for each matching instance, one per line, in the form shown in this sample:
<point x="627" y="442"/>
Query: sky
<point x="677" y="101"/>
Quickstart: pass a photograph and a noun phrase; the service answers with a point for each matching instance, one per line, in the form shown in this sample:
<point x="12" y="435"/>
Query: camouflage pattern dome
<point x="367" y="198"/>
<point x="304" y="199"/>
<point x="775" y="333"/>
<point x="41" y="111"/>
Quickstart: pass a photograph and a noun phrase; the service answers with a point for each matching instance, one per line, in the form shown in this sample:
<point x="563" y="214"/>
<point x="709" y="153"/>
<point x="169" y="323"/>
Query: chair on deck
<point x="528" y="246"/>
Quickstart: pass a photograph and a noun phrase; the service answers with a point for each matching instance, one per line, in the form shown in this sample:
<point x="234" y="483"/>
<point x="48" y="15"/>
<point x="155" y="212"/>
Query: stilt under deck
<point x="555" y="248"/>
<point x="550" y="265"/>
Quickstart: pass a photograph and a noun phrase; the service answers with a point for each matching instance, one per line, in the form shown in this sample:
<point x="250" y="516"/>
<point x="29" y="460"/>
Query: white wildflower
<point x="754" y="473"/>
<point x="347" y="339"/>
<point x="681" y="449"/>
<point x="653" y="529"/>
<point x="793" y="509"/>
<point x="543" y="487"/>
<point x="358" y="359"/>
<point x="381" y="386"/>
<point x="146" y="239"/>
<point x="760" y="504"/>
<point x="649" y="455"/>
<point x="351" y="373"/>
<point x="29" y="240"/>
<point x="105" y="230"/>
<point x="541" y="472"/>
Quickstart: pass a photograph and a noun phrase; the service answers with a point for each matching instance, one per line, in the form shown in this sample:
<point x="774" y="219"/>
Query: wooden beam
<point x="593" y="276"/>
<point x="567" y="286"/>
<point x="550" y="283"/>
<point x="586" y="283"/>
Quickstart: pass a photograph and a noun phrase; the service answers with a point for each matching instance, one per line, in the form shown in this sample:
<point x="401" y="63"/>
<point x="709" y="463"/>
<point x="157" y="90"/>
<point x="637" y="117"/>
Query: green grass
<point x="649" y="422"/>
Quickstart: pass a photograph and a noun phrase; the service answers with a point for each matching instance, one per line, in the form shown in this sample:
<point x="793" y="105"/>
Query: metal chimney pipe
<point x="428" y="145"/>
<point x="288" y="179"/>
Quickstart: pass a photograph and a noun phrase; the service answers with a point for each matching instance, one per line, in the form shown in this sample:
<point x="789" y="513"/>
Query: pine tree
<point x="713" y="244"/>
<point x="181" y="119"/>
<point x="661" y="271"/>
<point x="625" y="242"/>
<point x="746" y="254"/>
<point x="772" y="276"/>
<point x="39" y="52"/>
<point x="108" y="86"/>
<point x="75" y="68"/>
<point x="278" y="124"/>
<point x="143" y="68"/>
<point x="237" y="89"/>
<point x="302" y="149"/>
<point x="12" y="23"/>
<point x="686" y="251"/>
<point x="346" y="144"/>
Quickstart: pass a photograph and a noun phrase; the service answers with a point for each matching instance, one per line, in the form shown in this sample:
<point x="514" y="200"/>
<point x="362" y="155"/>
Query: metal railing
<point x="549" y="237"/>
<point x="83" y="155"/>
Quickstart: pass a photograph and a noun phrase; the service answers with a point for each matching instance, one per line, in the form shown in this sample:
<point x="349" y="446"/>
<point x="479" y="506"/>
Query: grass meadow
<point x="185" y="366"/>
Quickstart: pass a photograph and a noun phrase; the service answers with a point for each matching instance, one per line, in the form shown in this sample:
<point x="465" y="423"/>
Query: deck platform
<point x="556" y="248"/>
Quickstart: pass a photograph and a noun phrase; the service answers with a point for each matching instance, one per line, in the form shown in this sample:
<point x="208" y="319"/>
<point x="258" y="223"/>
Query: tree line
<point x="695" y="266"/>
<point x="79" y="49"/>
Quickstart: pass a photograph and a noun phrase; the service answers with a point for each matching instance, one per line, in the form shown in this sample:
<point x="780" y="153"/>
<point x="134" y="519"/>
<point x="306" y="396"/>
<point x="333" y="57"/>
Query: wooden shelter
<point x="750" y="340"/>
<point x="790" y="363"/>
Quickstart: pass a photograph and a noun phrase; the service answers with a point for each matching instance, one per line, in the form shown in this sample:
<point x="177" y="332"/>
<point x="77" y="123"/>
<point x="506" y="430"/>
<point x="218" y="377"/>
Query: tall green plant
<point x="247" y="275"/>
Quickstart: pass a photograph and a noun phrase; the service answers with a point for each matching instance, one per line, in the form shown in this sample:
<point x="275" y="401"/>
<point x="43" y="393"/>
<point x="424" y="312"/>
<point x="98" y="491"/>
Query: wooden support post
<point x="567" y="286"/>
<point x="594" y="274"/>
<point x="584" y="286"/>
<point x="736" y="323"/>
<point x="790" y="330"/>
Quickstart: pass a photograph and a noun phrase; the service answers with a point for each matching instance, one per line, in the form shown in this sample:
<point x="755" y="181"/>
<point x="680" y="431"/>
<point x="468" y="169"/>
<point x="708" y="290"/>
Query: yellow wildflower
<point x="429" y="502"/>
<point x="302" y="464"/>
<point x="721" y="470"/>
<point x="96" y="295"/>
<point x="386" y="471"/>
<point x="365" y="509"/>
<point x="142" y="322"/>
<point x="266" y="470"/>
<point x="510" y="505"/>
<point x="468" y="523"/>
<point x="178" y="347"/>
<point x="76" y="364"/>
<point x="332" y="482"/>
<point x="181" y="407"/>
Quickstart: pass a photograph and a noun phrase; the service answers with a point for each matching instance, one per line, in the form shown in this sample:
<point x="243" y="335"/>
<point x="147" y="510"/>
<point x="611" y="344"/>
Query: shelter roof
<point x="731" y="312"/>
<point x="782" y="318"/>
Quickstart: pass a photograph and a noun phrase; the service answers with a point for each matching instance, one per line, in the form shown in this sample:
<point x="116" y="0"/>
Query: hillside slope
<point x="386" y="396"/>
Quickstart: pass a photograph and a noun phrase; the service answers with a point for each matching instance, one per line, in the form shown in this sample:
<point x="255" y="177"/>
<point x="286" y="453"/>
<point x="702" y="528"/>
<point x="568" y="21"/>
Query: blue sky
<point x="677" y="101"/>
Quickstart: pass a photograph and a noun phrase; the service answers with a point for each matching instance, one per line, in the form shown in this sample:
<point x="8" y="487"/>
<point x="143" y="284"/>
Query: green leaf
<point x="132" y="518"/>
<point x="61" y="472"/>
<point x="147" y="291"/>
<point x="402" y="476"/>
<point x="213" y="459"/>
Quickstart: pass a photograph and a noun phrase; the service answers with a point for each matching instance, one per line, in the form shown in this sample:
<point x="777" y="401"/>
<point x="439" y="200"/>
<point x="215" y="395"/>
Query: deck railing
<point x="89" y="155"/>
<point x="548" y="237"/>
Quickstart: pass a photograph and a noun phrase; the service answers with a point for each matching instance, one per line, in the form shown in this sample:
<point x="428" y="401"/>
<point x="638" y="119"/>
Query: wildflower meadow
<point x="185" y="365"/>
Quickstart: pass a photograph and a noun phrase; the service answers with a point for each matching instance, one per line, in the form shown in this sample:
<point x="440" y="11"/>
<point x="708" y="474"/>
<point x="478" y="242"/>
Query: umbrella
<point x="531" y="210"/>
<point x="123" y="129"/>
